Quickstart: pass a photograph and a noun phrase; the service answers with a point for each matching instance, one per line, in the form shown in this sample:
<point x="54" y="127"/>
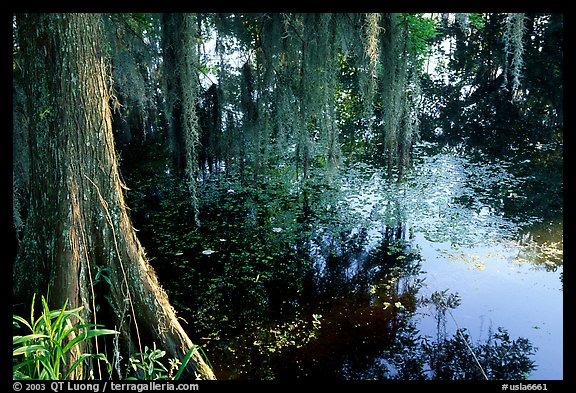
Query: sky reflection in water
<point x="504" y="275"/>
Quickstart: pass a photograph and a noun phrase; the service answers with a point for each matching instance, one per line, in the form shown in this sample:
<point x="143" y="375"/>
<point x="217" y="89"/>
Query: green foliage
<point x="500" y="115"/>
<point x="53" y="338"/>
<point x="422" y="30"/>
<point x="57" y="334"/>
<point x="287" y="335"/>
<point x="139" y="19"/>
<point x="477" y="20"/>
<point x="149" y="364"/>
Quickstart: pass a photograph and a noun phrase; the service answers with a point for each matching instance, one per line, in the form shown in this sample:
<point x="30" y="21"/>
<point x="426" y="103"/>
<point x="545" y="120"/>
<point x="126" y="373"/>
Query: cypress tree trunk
<point x="77" y="219"/>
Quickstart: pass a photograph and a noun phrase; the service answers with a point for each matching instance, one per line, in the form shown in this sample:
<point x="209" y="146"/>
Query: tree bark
<point x="77" y="219"/>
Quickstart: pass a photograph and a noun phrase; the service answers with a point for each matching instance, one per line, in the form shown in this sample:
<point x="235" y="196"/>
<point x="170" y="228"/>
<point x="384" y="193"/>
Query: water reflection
<point x="498" y="291"/>
<point x="349" y="311"/>
<point x="541" y="245"/>
<point x="357" y="285"/>
<point x="367" y="324"/>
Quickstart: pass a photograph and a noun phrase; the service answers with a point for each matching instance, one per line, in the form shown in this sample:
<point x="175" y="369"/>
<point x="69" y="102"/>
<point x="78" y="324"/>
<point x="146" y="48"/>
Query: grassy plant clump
<point x="148" y="365"/>
<point x="57" y="336"/>
<point x="53" y="340"/>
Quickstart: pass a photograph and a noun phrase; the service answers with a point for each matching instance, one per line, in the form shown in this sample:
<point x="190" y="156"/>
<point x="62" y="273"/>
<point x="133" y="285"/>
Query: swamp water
<point x="429" y="278"/>
<point x="506" y="272"/>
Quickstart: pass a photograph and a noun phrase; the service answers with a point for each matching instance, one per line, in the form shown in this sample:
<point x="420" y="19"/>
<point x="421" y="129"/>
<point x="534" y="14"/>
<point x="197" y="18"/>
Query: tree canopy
<point x="243" y="93"/>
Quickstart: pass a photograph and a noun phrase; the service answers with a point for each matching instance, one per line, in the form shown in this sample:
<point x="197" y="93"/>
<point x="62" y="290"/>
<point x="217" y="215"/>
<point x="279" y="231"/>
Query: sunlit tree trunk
<point x="77" y="220"/>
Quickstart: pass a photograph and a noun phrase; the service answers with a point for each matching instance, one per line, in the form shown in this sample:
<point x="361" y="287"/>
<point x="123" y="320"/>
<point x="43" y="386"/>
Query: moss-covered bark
<point x="77" y="219"/>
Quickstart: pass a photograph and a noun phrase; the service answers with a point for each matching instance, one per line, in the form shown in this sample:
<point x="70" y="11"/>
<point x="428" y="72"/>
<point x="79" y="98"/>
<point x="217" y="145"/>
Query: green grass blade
<point x="75" y="341"/>
<point x="45" y="317"/>
<point x="29" y="337"/>
<point x="75" y="312"/>
<point x="32" y="311"/>
<point x="24" y="370"/>
<point x="57" y="358"/>
<point x="87" y="334"/>
<point x="48" y="371"/>
<point x="71" y="328"/>
<point x="187" y="358"/>
<point x="22" y="321"/>
<point x="101" y="332"/>
<point x="76" y="363"/>
<point x="29" y="350"/>
<point x="185" y="361"/>
<point x="58" y="322"/>
<point x="205" y="357"/>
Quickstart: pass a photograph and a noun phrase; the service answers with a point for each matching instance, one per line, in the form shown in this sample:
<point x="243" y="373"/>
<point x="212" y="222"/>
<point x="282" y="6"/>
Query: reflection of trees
<point x="366" y="300"/>
<point x="499" y="357"/>
<point x="457" y="357"/>
<point x="540" y="252"/>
